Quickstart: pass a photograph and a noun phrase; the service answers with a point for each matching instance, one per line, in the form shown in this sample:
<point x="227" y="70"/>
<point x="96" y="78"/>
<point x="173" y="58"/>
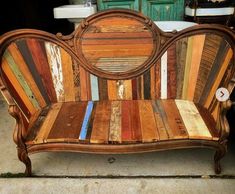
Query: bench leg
<point x="219" y="154"/>
<point x="23" y="157"/>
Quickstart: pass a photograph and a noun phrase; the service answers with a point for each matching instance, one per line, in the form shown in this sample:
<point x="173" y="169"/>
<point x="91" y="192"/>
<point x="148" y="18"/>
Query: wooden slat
<point x="194" y="123"/>
<point x="127" y="89"/>
<point x="158" y="80"/>
<point x="220" y="75"/>
<point x="68" y="122"/>
<point x="152" y="82"/>
<point x="209" y="121"/>
<point x="100" y="131"/>
<point x="198" y="44"/>
<point x="120" y="89"/>
<point x="159" y="122"/>
<point x="94" y="87"/>
<point x="174" y="119"/>
<point x="188" y="64"/>
<point x="103" y="90"/>
<point x="112" y="89"/>
<point x="86" y="121"/>
<point x="164" y="76"/>
<point x="28" y="58"/>
<point x="83" y="83"/>
<point x="38" y="52"/>
<point x="134" y="89"/>
<point x="23" y="68"/>
<point x="18" y="88"/>
<point x="67" y="70"/>
<point x="164" y="119"/>
<point x="207" y="61"/>
<point x="135" y="121"/>
<point x="171" y="72"/>
<point x="147" y="122"/>
<point x="48" y="123"/>
<point x="21" y="79"/>
<point x="76" y="80"/>
<point x="126" y="122"/>
<point x="181" y="51"/>
<point x="117" y="35"/>
<point x="147" y="87"/>
<point x="115" y="132"/>
<point x="54" y="59"/>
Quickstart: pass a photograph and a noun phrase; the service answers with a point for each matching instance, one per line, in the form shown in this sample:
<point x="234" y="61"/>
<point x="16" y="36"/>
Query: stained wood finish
<point x="165" y="81"/>
<point x="115" y="122"/>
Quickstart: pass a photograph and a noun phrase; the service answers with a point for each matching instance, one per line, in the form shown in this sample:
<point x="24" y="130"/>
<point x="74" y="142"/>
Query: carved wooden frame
<point x="67" y="42"/>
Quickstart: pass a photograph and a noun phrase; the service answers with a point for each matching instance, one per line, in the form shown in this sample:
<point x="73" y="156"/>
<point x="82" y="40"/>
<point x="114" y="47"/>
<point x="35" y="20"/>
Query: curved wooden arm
<point x="19" y="127"/>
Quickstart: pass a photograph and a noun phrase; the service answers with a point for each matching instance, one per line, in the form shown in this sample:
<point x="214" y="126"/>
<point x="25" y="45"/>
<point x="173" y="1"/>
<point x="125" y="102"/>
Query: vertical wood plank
<point x="134" y="89"/>
<point x="112" y="89"/>
<point x="152" y="82"/>
<point x="76" y="80"/>
<point x="147" y="85"/>
<point x="126" y="121"/>
<point x="198" y="44"/>
<point x="94" y="87"/>
<point x="158" y="80"/>
<point x="181" y="51"/>
<point x="171" y="72"/>
<point x="147" y="122"/>
<point x="164" y="76"/>
<point x="135" y="121"/>
<point x="187" y="68"/>
<point x="128" y="89"/>
<point x="103" y="89"/>
<point x="83" y="83"/>
<point x="100" y="131"/>
<point x="120" y="89"/>
<point x="115" y="132"/>
<point x="54" y="59"/>
<point x="68" y="82"/>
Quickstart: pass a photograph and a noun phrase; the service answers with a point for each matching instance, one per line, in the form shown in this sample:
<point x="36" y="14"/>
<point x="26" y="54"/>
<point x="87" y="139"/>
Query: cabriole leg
<point x="23" y="157"/>
<point x="219" y="154"/>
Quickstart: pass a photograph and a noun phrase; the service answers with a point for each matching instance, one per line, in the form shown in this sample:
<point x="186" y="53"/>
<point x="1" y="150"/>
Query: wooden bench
<point x="118" y="84"/>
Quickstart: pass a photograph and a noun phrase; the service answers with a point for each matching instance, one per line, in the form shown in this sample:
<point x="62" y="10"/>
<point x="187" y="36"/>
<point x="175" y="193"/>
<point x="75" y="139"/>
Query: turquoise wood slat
<point x="94" y="87"/>
<point x="14" y="67"/>
<point x="85" y="123"/>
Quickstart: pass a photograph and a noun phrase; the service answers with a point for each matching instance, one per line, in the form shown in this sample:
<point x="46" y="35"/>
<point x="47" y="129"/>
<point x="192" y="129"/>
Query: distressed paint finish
<point x="164" y="76"/>
<point x="115" y="122"/>
<point x="54" y="58"/>
<point x="94" y="87"/>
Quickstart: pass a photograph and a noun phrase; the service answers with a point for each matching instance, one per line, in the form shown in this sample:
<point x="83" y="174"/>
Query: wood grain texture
<point x="83" y="83"/>
<point x="112" y="89"/>
<point x="68" y="123"/>
<point x="147" y="87"/>
<point x="188" y="64"/>
<point x="103" y="89"/>
<point x="101" y="123"/>
<point x="158" y="80"/>
<point x="198" y="44"/>
<point x="23" y="68"/>
<point x="147" y="122"/>
<point x="181" y="51"/>
<point x="94" y="87"/>
<point x="210" y="50"/>
<point x="174" y="119"/>
<point x="164" y="76"/>
<point x="21" y="79"/>
<point x="194" y="123"/>
<point x="18" y="88"/>
<point x="67" y="71"/>
<point x="28" y="58"/>
<point x="127" y="89"/>
<point x="38" y="52"/>
<point x="115" y="130"/>
<point x="48" y="123"/>
<point x="54" y="59"/>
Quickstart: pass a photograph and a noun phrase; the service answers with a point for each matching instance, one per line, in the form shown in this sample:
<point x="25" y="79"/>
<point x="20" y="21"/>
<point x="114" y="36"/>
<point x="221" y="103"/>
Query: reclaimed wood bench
<point x="118" y="84"/>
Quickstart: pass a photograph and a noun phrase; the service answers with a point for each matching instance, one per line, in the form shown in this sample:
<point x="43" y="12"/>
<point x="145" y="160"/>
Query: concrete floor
<point x="178" y="171"/>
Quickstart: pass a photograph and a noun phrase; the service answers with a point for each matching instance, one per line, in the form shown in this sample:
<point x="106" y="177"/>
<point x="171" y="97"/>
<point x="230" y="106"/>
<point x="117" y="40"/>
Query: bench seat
<point x="121" y="122"/>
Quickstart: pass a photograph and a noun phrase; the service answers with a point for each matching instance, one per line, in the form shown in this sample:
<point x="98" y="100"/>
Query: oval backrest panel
<point x="117" y="45"/>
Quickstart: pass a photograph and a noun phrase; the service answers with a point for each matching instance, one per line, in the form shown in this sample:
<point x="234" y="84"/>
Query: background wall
<point x="36" y="14"/>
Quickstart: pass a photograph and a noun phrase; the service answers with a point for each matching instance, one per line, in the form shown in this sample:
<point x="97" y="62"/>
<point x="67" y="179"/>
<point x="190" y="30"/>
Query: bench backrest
<point x="116" y="55"/>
